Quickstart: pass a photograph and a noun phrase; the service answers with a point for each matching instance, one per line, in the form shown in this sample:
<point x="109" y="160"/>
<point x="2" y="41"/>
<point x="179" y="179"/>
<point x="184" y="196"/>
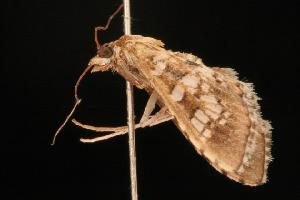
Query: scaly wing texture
<point x="215" y="111"/>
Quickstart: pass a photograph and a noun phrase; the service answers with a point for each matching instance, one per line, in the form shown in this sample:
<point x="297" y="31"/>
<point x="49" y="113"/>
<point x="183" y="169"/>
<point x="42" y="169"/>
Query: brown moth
<point x="215" y="111"/>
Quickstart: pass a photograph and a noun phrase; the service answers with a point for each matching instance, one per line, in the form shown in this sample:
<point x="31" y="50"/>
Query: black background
<point x="47" y="44"/>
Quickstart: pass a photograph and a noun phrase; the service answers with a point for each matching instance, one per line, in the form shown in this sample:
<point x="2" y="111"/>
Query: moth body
<point x="215" y="111"/>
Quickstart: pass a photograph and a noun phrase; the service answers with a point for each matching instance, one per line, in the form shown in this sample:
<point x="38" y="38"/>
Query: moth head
<point x="105" y="51"/>
<point x="102" y="61"/>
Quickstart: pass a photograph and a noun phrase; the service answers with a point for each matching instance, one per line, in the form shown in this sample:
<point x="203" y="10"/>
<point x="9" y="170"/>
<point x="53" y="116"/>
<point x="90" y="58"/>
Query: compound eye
<point x="105" y="51"/>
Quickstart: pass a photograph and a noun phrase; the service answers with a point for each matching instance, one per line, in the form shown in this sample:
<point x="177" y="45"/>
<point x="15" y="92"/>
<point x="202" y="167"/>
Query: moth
<point x="217" y="113"/>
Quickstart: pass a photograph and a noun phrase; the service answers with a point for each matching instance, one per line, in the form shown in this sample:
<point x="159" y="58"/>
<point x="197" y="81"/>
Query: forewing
<point x="215" y="111"/>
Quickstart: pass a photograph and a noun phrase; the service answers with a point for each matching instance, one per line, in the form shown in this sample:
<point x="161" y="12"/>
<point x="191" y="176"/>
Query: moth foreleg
<point x="143" y="122"/>
<point x="99" y="128"/>
<point x="160" y="117"/>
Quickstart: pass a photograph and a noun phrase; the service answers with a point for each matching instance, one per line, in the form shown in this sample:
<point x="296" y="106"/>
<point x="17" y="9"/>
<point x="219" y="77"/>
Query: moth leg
<point x="159" y="117"/>
<point x="147" y="120"/>
<point x="149" y="107"/>
<point x="99" y="128"/>
<point x="143" y="122"/>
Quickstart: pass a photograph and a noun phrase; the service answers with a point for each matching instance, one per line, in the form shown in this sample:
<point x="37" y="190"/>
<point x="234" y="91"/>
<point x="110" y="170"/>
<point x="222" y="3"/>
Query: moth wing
<point x="215" y="111"/>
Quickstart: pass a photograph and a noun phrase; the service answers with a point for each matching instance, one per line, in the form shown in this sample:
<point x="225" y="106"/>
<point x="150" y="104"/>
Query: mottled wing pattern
<point x="215" y="111"/>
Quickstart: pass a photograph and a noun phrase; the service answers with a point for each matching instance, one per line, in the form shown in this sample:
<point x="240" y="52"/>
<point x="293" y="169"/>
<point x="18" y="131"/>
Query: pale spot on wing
<point x="246" y="160"/>
<point x="251" y="145"/>
<point x="222" y="122"/>
<point x="190" y="80"/>
<point x="226" y="114"/>
<point x="216" y="108"/>
<point x="159" y="68"/>
<point x="249" y="150"/>
<point x="197" y="124"/>
<point x="209" y="99"/>
<point x="192" y="90"/>
<point x="160" y="58"/>
<point x="201" y="116"/>
<point x="212" y="115"/>
<point x="213" y="108"/>
<point x="177" y="93"/>
<point x="207" y="133"/>
<point x="241" y="169"/>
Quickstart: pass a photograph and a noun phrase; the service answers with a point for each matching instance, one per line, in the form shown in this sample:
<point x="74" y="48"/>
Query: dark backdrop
<point x="47" y="44"/>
